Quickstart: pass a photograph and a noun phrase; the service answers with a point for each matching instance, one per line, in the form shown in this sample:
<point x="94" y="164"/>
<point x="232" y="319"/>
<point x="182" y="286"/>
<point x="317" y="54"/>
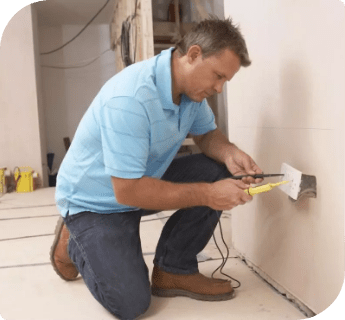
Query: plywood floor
<point x="30" y="289"/>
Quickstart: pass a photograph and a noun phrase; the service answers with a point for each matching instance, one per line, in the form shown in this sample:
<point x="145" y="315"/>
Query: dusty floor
<point x="30" y="289"/>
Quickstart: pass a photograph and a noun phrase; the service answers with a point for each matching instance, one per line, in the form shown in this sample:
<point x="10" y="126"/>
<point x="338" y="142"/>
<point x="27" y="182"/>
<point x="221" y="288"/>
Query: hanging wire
<point x="81" y="64"/>
<point x="125" y="54"/>
<point x="64" y="45"/>
<point x="127" y="27"/>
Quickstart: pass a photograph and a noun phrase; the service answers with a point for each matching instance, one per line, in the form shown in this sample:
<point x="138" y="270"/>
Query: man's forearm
<point x="153" y="194"/>
<point x="215" y="145"/>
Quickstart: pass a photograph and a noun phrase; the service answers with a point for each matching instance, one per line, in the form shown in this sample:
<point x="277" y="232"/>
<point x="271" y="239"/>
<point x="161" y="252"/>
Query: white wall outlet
<point x="294" y="176"/>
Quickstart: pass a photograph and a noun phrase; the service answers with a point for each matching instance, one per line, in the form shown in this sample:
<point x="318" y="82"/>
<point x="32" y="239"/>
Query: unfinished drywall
<point x="21" y="131"/>
<point x="289" y="107"/>
<point x="68" y="92"/>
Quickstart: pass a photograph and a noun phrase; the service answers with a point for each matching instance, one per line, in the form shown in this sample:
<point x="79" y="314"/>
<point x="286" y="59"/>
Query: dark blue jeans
<point x="106" y="248"/>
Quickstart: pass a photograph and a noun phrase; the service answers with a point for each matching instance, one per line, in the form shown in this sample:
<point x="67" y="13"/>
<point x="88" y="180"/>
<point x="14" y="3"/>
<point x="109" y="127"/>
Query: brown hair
<point x="213" y="35"/>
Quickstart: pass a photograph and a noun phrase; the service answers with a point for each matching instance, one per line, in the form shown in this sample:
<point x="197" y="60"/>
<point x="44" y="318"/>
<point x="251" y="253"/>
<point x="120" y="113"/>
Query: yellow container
<point x="24" y="179"/>
<point x="2" y="180"/>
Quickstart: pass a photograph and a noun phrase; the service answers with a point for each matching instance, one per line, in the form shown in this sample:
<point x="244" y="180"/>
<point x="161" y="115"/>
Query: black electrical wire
<point x="126" y="25"/>
<point x="76" y="66"/>
<point x="227" y="255"/>
<point x="136" y="31"/>
<point x="215" y="259"/>
<point x="125" y="38"/>
<point x="64" y="45"/>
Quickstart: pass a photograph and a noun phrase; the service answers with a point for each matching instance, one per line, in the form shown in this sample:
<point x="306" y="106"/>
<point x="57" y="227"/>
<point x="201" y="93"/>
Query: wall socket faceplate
<point x="294" y="176"/>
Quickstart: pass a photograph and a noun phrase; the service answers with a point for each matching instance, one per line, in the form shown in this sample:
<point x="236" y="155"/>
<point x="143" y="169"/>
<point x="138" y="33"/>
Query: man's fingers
<point x="248" y="180"/>
<point x="241" y="184"/>
<point x="249" y="165"/>
<point x="245" y="197"/>
<point x="251" y="168"/>
<point x="256" y="168"/>
<point x="244" y="202"/>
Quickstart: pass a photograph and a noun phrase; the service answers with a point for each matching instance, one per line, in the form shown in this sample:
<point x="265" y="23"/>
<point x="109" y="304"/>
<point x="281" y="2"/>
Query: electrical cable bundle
<point x="126" y="25"/>
<point x="127" y="28"/>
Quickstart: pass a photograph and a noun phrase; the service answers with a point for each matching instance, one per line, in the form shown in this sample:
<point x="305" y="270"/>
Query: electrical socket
<point x="294" y="176"/>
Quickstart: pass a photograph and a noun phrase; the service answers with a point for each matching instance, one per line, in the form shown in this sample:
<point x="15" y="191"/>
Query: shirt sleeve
<point x="125" y="135"/>
<point x="204" y="120"/>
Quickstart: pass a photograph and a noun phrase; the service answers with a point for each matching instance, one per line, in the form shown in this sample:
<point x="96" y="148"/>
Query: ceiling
<point x="59" y="12"/>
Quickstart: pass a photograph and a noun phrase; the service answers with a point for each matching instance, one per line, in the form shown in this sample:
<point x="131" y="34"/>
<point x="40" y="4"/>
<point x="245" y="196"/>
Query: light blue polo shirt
<point x="131" y="129"/>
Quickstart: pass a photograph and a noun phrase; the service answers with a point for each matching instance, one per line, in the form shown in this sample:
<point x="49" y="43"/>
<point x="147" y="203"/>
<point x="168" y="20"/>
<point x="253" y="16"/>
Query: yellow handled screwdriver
<point x="264" y="188"/>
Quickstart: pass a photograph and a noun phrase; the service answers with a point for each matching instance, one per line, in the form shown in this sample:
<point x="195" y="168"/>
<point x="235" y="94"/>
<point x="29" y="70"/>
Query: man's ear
<point x="194" y="52"/>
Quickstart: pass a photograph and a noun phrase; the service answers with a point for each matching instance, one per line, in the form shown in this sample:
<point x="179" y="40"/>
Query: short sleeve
<point x="125" y="132"/>
<point x="204" y="120"/>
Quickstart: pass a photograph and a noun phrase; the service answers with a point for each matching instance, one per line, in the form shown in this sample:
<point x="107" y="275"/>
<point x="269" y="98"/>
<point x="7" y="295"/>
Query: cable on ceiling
<point x="64" y="45"/>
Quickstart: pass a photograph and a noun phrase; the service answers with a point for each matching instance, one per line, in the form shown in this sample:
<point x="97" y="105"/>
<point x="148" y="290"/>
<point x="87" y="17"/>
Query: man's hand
<point x="239" y="163"/>
<point x="227" y="194"/>
<point x="216" y="145"/>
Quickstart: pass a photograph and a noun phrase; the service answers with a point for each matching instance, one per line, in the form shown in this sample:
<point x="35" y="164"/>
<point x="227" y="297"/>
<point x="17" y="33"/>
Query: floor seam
<point x="26" y="237"/>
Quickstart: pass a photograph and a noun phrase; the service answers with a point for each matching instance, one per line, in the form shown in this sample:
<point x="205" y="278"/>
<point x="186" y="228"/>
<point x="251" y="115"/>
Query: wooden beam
<point x="141" y="32"/>
<point x="165" y="28"/>
<point x="177" y="17"/>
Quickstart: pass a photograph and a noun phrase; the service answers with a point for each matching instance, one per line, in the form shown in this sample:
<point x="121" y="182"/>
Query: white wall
<point x="289" y="107"/>
<point x="41" y="110"/>
<point x="67" y="93"/>
<point x="41" y="106"/>
<point x="21" y="135"/>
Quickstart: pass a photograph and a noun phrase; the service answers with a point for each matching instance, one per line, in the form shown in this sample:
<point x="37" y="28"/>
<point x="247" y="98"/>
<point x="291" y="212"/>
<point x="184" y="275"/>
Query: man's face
<point x="207" y="76"/>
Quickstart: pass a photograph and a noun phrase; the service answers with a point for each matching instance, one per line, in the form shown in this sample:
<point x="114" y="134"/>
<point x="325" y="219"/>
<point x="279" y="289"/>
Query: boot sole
<point x="170" y="293"/>
<point x="57" y="232"/>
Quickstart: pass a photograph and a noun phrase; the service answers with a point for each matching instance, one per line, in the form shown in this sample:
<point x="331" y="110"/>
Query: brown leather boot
<point x="195" y="286"/>
<point x="59" y="257"/>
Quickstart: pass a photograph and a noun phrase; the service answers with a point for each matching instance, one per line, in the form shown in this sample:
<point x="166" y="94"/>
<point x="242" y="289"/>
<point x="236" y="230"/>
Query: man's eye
<point x="219" y="76"/>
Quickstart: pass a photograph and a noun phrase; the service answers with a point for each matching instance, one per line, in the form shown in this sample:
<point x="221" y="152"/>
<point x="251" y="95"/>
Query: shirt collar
<point x="163" y="79"/>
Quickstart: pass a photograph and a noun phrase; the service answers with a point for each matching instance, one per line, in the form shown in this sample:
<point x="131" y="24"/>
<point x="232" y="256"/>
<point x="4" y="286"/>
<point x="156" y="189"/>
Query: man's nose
<point x="219" y="87"/>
